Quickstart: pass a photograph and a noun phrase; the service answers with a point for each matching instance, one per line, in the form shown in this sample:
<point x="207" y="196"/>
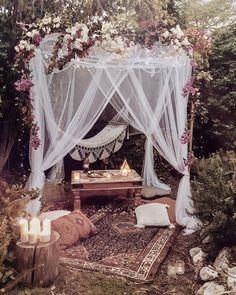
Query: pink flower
<point x="35" y="141"/>
<point x="23" y="84"/>
<point x="186" y="136"/>
<point x="188" y="88"/>
<point x="193" y="64"/>
<point x="189" y="160"/>
<point x="37" y="39"/>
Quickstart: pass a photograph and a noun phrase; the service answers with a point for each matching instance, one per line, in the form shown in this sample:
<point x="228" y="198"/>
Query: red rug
<point x="120" y="248"/>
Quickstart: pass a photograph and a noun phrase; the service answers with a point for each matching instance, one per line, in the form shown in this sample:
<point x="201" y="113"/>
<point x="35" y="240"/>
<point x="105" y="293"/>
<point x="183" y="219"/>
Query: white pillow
<point x="149" y="191"/>
<point x="52" y="215"/>
<point x="152" y="215"/>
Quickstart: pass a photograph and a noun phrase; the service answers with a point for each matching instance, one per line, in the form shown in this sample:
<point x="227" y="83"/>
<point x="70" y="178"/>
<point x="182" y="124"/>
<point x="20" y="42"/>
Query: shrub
<point x="214" y="199"/>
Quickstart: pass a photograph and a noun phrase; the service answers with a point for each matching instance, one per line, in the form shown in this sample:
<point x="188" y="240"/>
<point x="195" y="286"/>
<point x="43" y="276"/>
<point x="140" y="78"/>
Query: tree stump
<point x="39" y="262"/>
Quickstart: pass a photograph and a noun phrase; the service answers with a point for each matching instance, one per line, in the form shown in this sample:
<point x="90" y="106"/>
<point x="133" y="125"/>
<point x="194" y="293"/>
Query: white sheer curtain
<point x="156" y="107"/>
<point x="64" y="112"/>
<point x="149" y="84"/>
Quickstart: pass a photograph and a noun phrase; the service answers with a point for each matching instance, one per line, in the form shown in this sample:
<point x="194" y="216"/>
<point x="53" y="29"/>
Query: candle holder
<point x="75" y="176"/>
<point x="171" y="270"/>
<point x="125" y="169"/>
<point x="180" y="267"/>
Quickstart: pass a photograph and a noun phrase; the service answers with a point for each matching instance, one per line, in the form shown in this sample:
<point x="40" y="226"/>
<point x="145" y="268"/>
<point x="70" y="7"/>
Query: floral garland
<point x="79" y="38"/>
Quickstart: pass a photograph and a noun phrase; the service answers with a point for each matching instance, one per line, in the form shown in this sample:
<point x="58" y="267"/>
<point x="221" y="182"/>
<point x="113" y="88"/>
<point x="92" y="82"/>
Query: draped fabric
<point x="148" y="84"/>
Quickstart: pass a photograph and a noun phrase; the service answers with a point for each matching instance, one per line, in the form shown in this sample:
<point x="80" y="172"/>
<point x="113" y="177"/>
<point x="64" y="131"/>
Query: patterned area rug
<point x="120" y="248"/>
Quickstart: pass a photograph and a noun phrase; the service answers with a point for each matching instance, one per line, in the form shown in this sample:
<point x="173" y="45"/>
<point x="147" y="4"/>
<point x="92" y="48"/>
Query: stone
<point x="222" y="260"/>
<point x="197" y="255"/>
<point x="231" y="280"/>
<point x="207" y="240"/>
<point x="210" y="288"/>
<point x="207" y="273"/>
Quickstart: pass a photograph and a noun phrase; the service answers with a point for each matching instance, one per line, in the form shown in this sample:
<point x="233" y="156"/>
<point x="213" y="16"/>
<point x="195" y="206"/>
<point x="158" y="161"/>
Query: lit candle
<point x="108" y="176"/>
<point x="24" y="229"/>
<point x="35" y="226"/>
<point x="47" y="225"/>
<point x="171" y="270"/>
<point x="44" y="236"/>
<point x="33" y="236"/>
<point x="76" y="176"/>
<point x="124" y="172"/>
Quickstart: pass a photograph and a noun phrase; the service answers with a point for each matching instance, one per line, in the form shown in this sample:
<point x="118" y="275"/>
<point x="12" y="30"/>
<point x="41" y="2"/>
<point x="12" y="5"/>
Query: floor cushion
<point x="168" y="201"/>
<point x="152" y="214"/>
<point x="73" y="227"/>
<point x="149" y="191"/>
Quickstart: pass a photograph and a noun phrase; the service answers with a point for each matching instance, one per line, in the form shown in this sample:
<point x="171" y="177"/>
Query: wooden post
<point x="42" y="258"/>
<point x="191" y="126"/>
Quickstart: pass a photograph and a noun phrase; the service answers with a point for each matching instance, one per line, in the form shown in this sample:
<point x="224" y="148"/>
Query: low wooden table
<point x="113" y="185"/>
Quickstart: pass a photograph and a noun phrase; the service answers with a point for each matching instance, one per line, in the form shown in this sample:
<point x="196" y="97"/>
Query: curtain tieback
<point x="38" y="172"/>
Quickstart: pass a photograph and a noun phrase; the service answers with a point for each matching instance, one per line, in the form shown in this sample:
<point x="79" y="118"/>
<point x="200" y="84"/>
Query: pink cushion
<point x="73" y="227"/>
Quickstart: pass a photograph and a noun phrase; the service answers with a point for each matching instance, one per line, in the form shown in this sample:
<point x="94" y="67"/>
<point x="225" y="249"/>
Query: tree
<point x="214" y="192"/>
<point x="209" y="14"/>
<point x="221" y="104"/>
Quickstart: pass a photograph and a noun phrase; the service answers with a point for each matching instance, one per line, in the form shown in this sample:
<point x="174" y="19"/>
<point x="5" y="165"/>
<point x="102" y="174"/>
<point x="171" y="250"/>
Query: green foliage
<point x="202" y="14"/>
<point x="221" y="104"/>
<point x="215" y="125"/>
<point x="13" y="200"/>
<point x="214" y="198"/>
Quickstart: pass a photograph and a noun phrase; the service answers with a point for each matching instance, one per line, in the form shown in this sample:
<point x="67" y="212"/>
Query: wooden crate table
<point x="114" y="185"/>
<point x="41" y="258"/>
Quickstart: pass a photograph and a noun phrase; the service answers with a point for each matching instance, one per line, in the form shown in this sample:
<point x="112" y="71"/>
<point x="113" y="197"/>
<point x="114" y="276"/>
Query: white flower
<point x="166" y="34"/>
<point x="57" y="25"/>
<point x="17" y="49"/>
<point x="56" y="19"/>
<point x="45" y="21"/>
<point x="185" y="42"/>
<point x="67" y="37"/>
<point x="106" y="28"/>
<point x="177" y="43"/>
<point x="179" y="32"/>
<point x="32" y="33"/>
<point x="29" y="34"/>
<point x="77" y="44"/>
<point x="73" y="31"/>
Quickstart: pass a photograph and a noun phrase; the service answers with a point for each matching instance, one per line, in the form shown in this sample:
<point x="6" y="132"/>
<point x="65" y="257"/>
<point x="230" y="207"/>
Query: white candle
<point x="24" y="229"/>
<point x="180" y="267"/>
<point x="35" y="226"/>
<point x="44" y="236"/>
<point x="47" y="225"/>
<point x="33" y="236"/>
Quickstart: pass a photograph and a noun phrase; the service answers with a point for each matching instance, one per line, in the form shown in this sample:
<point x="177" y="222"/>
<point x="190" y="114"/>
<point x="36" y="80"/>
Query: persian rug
<point x="120" y="248"/>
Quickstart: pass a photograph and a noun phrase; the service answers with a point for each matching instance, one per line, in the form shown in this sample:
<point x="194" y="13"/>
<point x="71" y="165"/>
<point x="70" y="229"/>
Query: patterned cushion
<point x="73" y="227"/>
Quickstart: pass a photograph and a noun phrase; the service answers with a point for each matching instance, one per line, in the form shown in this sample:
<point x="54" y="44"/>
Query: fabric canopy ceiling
<point x="148" y="84"/>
